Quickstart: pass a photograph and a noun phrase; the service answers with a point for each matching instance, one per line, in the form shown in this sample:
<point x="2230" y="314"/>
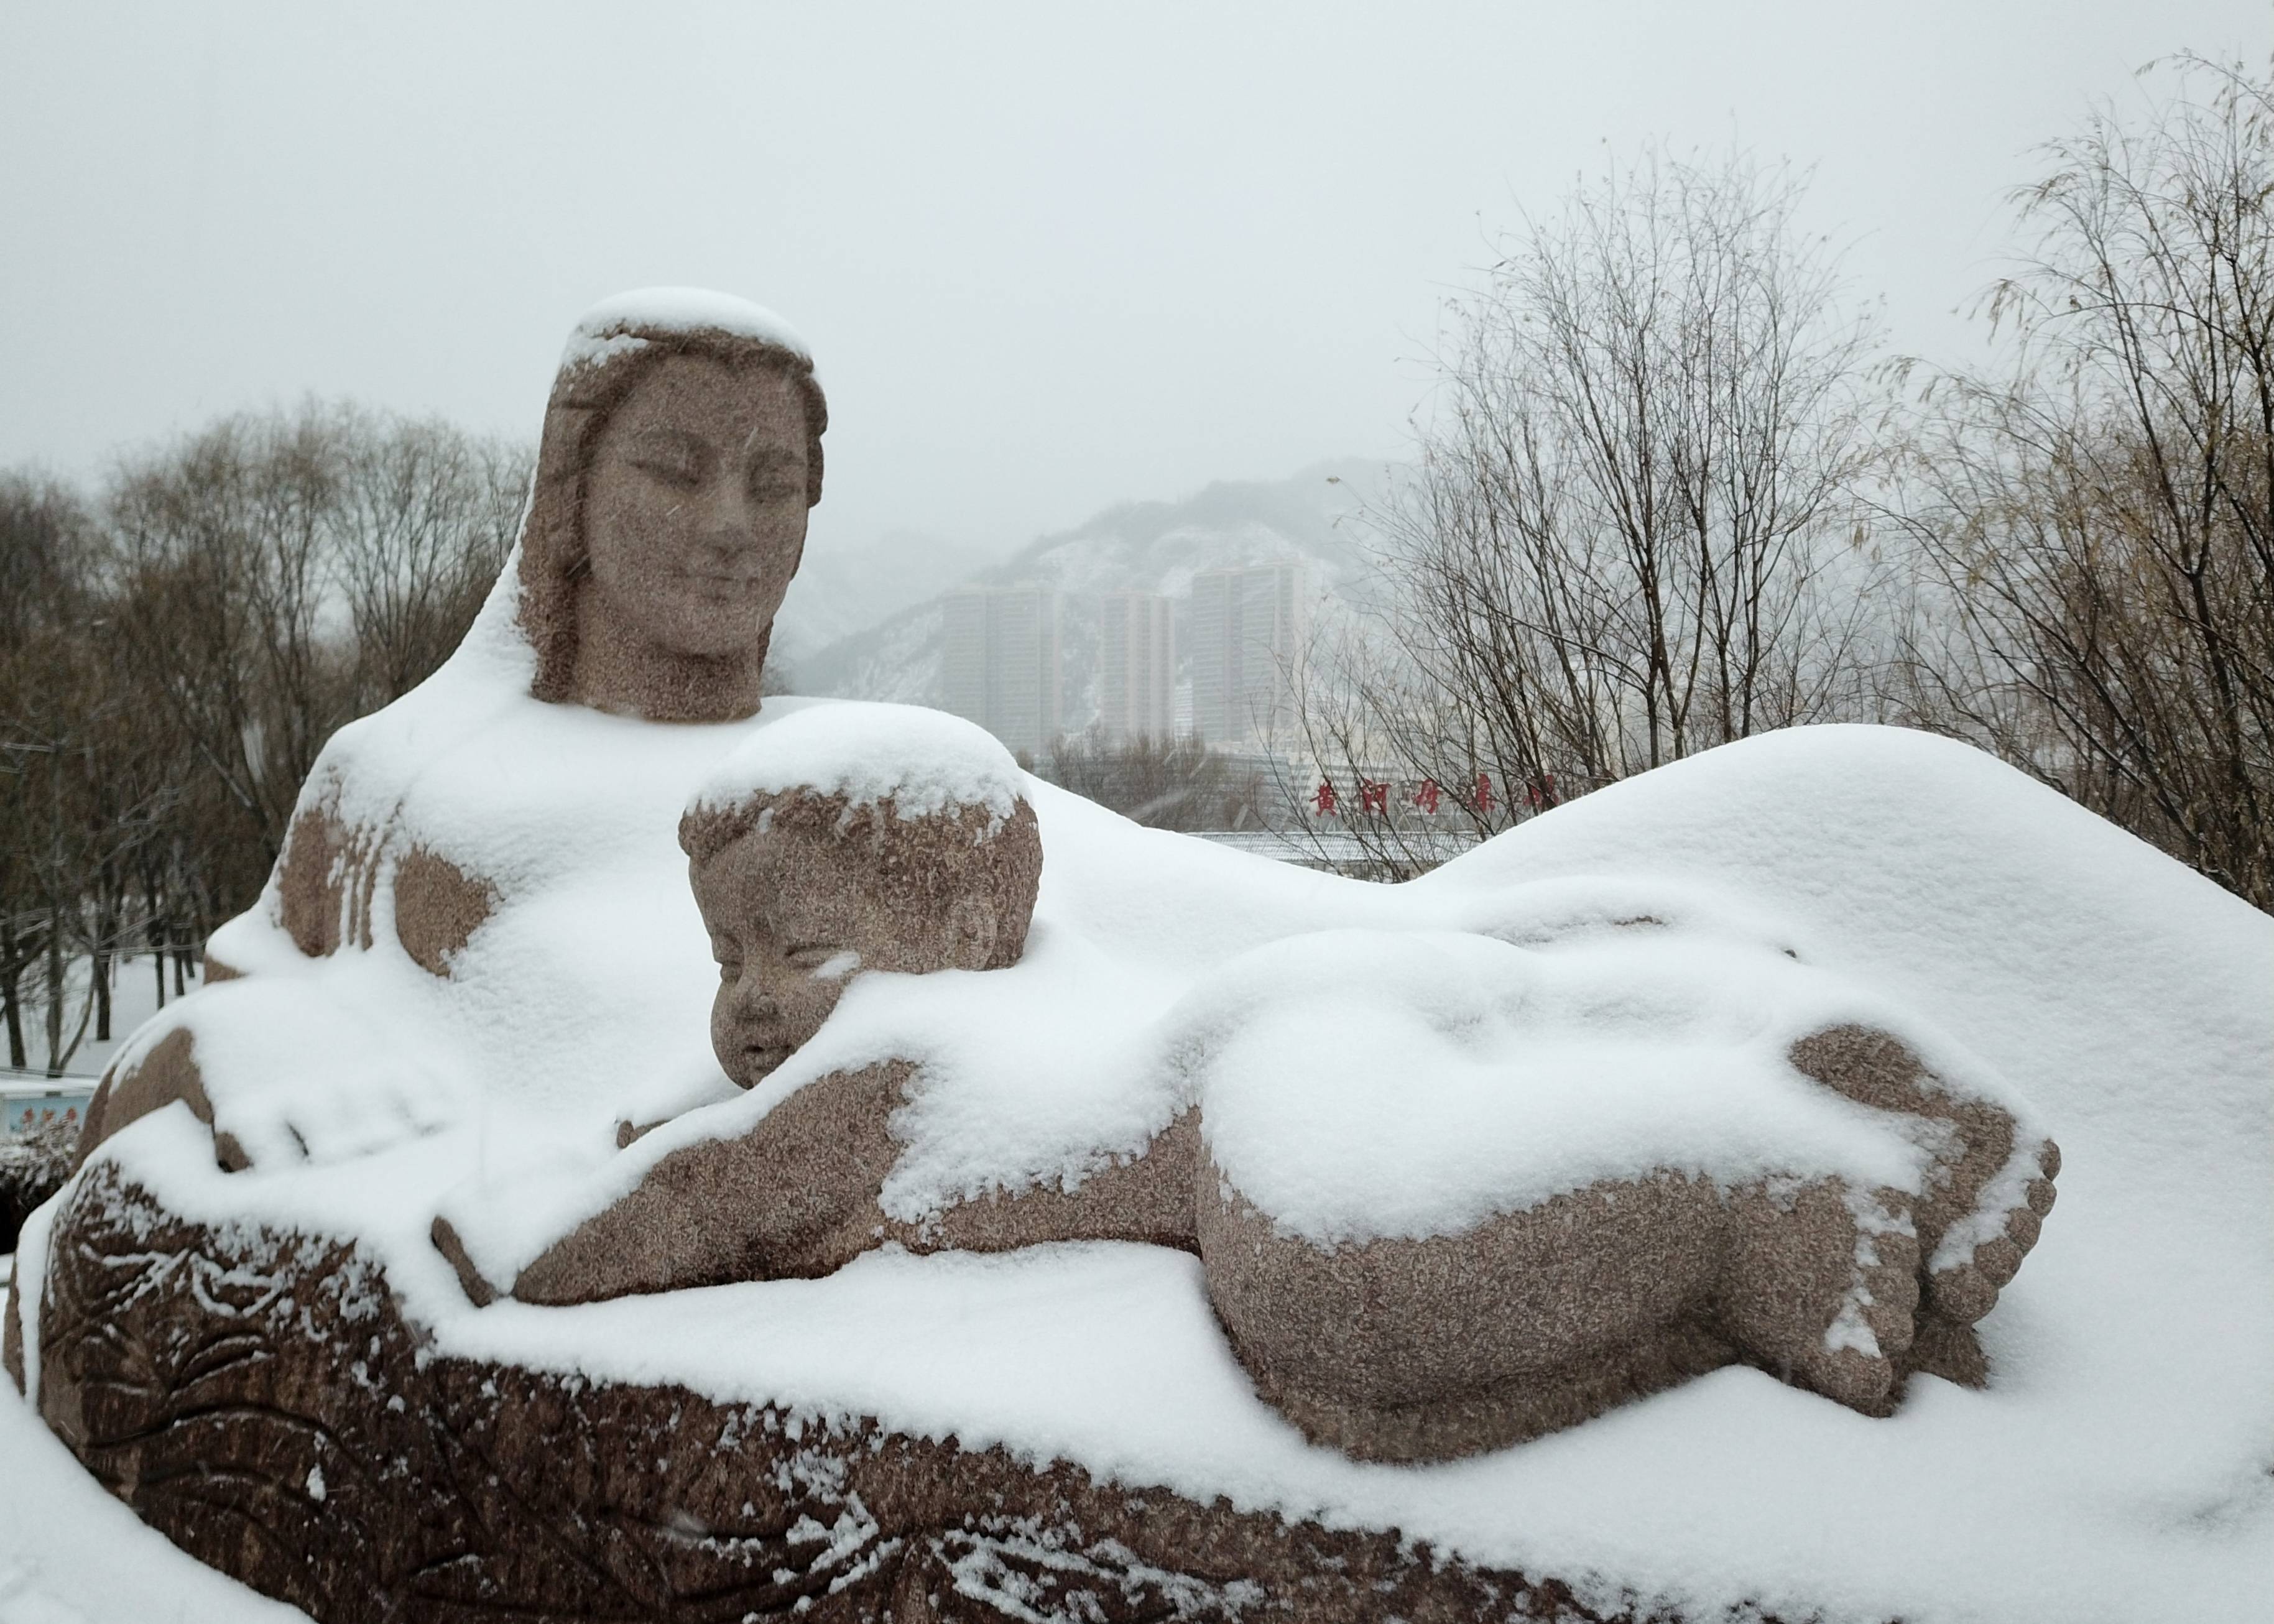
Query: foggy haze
<point x="1048" y="257"/>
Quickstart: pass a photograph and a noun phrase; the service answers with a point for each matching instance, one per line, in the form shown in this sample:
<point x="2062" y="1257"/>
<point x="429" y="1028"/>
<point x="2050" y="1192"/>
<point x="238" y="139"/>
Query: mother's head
<point x="681" y="449"/>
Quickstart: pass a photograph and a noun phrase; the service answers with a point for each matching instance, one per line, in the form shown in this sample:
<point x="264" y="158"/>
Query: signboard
<point x="27" y="1106"/>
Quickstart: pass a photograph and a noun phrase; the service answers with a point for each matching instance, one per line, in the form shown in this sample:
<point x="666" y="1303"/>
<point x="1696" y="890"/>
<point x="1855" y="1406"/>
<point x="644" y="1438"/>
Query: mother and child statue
<point x="1839" y="1211"/>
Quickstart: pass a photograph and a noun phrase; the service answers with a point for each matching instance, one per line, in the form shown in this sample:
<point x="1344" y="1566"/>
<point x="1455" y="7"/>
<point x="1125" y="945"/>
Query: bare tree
<point x="2098" y="528"/>
<point x="170" y="669"/>
<point x="279" y="576"/>
<point x="59" y="702"/>
<point x="221" y="605"/>
<point x="1636" y="530"/>
<point x="425" y="514"/>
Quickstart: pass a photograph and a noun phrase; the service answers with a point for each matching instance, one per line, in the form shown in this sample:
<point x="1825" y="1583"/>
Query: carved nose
<point x="732" y="514"/>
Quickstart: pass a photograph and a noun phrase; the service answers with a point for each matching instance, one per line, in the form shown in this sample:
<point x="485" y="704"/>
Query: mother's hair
<point x="604" y="365"/>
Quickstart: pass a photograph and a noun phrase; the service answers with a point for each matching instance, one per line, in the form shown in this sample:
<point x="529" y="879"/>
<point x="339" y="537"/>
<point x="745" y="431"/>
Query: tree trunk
<point x="55" y="988"/>
<point x="102" y="968"/>
<point x="154" y="931"/>
<point x="9" y="993"/>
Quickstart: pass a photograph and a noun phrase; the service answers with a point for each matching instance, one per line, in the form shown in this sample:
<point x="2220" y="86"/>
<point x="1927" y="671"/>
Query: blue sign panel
<point x="23" y="1109"/>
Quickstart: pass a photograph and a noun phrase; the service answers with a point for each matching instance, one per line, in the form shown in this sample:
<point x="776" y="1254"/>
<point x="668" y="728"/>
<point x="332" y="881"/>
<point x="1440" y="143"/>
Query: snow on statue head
<point x="848" y="837"/>
<point x="681" y="451"/>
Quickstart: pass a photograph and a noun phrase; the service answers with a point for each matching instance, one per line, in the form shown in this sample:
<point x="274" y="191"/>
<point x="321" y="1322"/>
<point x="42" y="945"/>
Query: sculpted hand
<point x="242" y="1056"/>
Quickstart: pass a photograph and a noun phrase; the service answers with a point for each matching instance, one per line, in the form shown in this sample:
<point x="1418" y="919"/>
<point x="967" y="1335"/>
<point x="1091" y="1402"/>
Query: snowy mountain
<point x="842" y="589"/>
<point x="1153" y="547"/>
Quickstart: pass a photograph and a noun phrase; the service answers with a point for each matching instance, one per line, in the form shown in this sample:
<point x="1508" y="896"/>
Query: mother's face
<point x="694" y="504"/>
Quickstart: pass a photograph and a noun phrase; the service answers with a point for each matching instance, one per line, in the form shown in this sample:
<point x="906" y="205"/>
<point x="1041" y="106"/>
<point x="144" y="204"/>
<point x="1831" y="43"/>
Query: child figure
<point x="1403" y="1346"/>
<point x="802" y="886"/>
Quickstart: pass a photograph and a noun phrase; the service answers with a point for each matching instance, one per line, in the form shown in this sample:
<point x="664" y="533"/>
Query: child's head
<point x="849" y="837"/>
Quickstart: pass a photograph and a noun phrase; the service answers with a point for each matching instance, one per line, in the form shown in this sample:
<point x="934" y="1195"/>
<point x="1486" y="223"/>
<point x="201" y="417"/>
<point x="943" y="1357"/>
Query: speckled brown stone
<point x="1402" y="1350"/>
<point x="166" y="1071"/>
<point x="438" y="908"/>
<point x="1535" y="1319"/>
<point x="618" y="637"/>
<point x="1392" y="1350"/>
<point x="798" y="1195"/>
<point x="324" y="880"/>
<point x="1879" y="1070"/>
<point x="629" y="635"/>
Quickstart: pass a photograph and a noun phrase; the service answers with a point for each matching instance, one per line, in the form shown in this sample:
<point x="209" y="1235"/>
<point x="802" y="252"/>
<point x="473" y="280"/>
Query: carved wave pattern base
<point x="258" y="1398"/>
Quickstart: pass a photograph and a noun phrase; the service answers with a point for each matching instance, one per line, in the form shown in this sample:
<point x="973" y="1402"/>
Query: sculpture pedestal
<point x="260" y="1398"/>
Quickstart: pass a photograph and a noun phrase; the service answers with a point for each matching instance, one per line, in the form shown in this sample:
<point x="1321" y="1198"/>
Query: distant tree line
<point x="1672" y="494"/>
<point x="1162" y="783"/>
<point x="175" y="647"/>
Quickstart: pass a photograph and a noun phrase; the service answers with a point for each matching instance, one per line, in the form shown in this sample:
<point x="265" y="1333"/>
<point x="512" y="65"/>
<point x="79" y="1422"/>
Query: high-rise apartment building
<point x="1000" y="664"/>
<point x="1137" y="667"/>
<point x="1248" y="629"/>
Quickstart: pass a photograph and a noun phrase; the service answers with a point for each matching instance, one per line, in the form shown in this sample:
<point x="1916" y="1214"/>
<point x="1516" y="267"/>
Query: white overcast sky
<point x="1050" y="256"/>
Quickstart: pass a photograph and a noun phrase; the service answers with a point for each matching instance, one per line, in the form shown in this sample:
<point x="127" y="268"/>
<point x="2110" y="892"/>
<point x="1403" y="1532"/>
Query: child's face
<point x="791" y="919"/>
<point x="792" y="916"/>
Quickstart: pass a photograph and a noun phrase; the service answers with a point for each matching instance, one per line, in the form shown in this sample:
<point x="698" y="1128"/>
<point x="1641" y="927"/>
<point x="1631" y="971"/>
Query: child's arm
<point x="795" y="1197"/>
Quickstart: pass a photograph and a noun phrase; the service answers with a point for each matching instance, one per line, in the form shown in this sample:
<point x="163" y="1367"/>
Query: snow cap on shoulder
<point x="922" y="761"/>
<point x="614" y="325"/>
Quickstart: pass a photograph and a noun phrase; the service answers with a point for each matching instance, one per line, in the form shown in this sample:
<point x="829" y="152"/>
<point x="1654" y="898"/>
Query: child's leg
<point x="1414" y="1349"/>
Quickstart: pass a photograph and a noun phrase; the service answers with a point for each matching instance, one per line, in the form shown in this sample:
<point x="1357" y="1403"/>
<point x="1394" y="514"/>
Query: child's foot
<point x="1987" y="1192"/>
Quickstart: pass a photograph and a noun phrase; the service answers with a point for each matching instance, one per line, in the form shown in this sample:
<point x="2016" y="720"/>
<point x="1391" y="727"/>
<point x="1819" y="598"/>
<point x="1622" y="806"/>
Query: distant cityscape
<point x="1003" y="661"/>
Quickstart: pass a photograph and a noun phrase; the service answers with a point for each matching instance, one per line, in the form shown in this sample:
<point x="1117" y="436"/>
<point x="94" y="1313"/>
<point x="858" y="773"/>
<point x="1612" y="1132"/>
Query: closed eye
<point x="672" y="458"/>
<point x="828" y="964"/>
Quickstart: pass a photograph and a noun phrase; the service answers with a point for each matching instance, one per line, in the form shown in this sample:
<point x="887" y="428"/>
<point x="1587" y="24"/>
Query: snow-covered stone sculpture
<point x="1635" y="1090"/>
<point x="1480" y="1113"/>
<point x="682" y="450"/>
<point x="680" y="455"/>
<point x="870" y="839"/>
<point x="1448" y="1191"/>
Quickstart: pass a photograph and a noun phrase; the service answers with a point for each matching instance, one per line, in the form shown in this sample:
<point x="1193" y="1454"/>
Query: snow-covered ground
<point x="133" y="1000"/>
<point x="2120" y="1466"/>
